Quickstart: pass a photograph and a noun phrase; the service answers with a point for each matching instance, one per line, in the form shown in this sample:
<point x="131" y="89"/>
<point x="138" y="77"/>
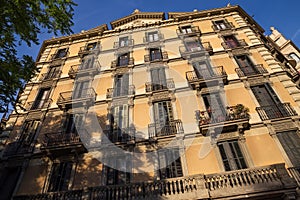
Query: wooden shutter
<point x="290" y="142"/>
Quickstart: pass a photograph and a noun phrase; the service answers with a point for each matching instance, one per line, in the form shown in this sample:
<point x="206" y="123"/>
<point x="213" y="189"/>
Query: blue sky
<point x="283" y="15"/>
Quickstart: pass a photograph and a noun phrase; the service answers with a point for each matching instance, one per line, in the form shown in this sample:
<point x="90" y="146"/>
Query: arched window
<point x="295" y="57"/>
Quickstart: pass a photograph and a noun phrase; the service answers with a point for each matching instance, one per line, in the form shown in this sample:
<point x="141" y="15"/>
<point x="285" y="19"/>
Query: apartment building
<point x="179" y="105"/>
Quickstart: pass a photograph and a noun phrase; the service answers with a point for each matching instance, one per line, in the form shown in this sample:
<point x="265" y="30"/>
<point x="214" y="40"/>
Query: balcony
<point x="157" y="87"/>
<point x="81" y="70"/>
<point x="58" y="59"/>
<point x="206" y="77"/>
<point x="119" y="135"/>
<point x="234" y="45"/>
<point x="38" y="104"/>
<point x="229" y="119"/>
<point x="189" y="32"/>
<point x="50" y="76"/>
<point x="17" y="148"/>
<point x="62" y="142"/>
<point x="126" y="63"/>
<point x="223" y="26"/>
<point x="165" y="129"/>
<point x="251" y="71"/>
<point x="161" y="56"/>
<point x="153" y="40"/>
<point x="197" y="51"/>
<point x="85" y="97"/>
<point x="86" y="50"/>
<point x="276" y="111"/>
<point x="265" y="182"/>
<point x="123" y="46"/>
<point x="113" y="93"/>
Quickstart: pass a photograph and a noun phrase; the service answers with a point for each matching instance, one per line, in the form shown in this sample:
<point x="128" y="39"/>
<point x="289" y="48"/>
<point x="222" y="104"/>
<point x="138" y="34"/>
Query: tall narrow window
<point x="186" y="29"/>
<point x="124" y="41"/>
<point x="169" y="164"/>
<point x="121" y="85"/>
<point x="232" y="155"/>
<point x="246" y="65"/>
<point x="221" y="25"/>
<point x="152" y="36"/>
<point x="203" y="70"/>
<point x="290" y="142"/>
<point x="123" y="59"/>
<point x="61" y="53"/>
<point x="52" y="72"/>
<point x="121" y="173"/>
<point x="231" y="41"/>
<point x="120" y="123"/>
<point x="60" y="176"/>
<point x="41" y="98"/>
<point x="28" y="132"/>
<point x="72" y="124"/>
<point x="214" y="107"/>
<point x="81" y="89"/>
<point x="158" y="79"/>
<point x="87" y="62"/>
<point x="155" y="54"/>
<point x="163" y="117"/>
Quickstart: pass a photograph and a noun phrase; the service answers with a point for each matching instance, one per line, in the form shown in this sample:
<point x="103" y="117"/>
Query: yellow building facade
<point x="195" y="105"/>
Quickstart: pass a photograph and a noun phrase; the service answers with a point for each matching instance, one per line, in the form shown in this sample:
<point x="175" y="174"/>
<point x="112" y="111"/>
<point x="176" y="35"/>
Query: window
<point x="193" y="45"/>
<point x="41" y="98"/>
<point x="72" y="124"/>
<point x="215" y="108"/>
<point x="152" y="36"/>
<point x="163" y="112"/>
<point x="119" y="122"/>
<point x="158" y="79"/>
<point x="60" y="176"/>
<point x="232" y="155"/>
<point x="290" y="142"/>
<point x="91" y="46"/>
<point x="221" y="25"/>
<point x="121" y="85"/>
<point x="246" y="65"/>
<point x="124" y="41"/>
<point x="231" y="41"/>
<point x="119" y="175"/>
<point x="81" y="89"/>
<point x="169" y="164"/>
<point x="186" y="29"/>
<point x="123" y="59"/>
<point x="52" y="72"/>
<point x="87" y="62"/>
<point x="155" y="54"/>
<point x="61" y="53"/>
<point x="295" y="57"/>
<point x="29" y="130"/>
<point x="203" y="70"/>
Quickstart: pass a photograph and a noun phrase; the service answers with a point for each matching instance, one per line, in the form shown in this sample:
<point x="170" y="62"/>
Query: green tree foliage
<point x="22" y="21"/>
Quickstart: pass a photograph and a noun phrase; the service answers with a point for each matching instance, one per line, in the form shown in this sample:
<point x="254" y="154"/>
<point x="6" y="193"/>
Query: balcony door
<point x="72" y="124"/>
<point x="231" y="41"/>
<point x="215" y="108"/>
<point x="163" y="115"/>
<point x="123" y="59"/>
<point x="169" y="164"/>
<point x="152" y="36"/>
<point x="203" y="70"/>
<point x="121" y="85"/>
<point x="155" y="54"/>
<point x="87" y="63"/>
<point x="60" y="177"/>
<point x="246" y="65"/>
<point x="81" y="89"/>
<point x="119" y="123"/>
<point x="158" y="79"/>
<point x="186" y="29"/>
<point x="28" y="133"/>
<point x="52" y="72"/>
<point x="42" y="97"/>
<point x="117" y="174"/>
<point x="193" y="45"/>
<point x="269" y="101"/>
<point x="124" y="41"/>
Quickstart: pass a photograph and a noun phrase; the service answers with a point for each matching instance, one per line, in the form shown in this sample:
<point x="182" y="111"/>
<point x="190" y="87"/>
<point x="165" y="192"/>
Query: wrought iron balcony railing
<point x="280" y="110"/>
<point x="223" y="26"/>
<point x="235" y="44"/>
<point x="230" y="113"/>
<point x="125" y="44"/>
<point x="83" y="69"/>
<point x="251" y="70"/>
<point x="188" y="32"/>
<point x="85" y="50"/>
<point x="49" y="76"/>
<point x="38" y="104"/>
<point x="120" y="92"/>
<point x="123" y="63"/>
<point x="206" y="74"/>
<point x="165" y="128"/>
<point x="73" y="97"/>
<point x="61" y="139"/>
<point x="160" y="56"/>
<point x="116" y="134"/>
<point x="201" y="49"/>
<point x="164" y="85"/>
<point x="17" y="148"/>
<point x="261" y="181"/>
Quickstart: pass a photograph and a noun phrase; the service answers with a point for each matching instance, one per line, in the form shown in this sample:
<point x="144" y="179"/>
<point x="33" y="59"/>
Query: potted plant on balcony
<point x="241" y="111"/>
